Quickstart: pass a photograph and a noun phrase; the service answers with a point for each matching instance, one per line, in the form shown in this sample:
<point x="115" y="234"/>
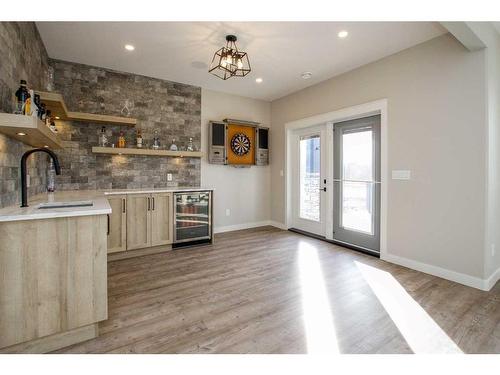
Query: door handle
<point x="323" y="189"/>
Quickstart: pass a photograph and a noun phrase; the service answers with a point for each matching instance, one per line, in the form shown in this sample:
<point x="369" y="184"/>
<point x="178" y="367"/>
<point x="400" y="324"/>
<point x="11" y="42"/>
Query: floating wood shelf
<point x="55" y="103"/>
<point x="145" y="151"/>
<point x="36" y="133"/>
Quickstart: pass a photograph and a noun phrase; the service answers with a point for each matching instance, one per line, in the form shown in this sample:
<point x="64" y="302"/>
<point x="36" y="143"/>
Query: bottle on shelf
<point x="51" y="177"/>
<point x="103" y="139"/>
<point x="190" y="146"/>
<point x="27" y="106"/>
<point x="156" y="141"/>
<point x="48" y="117"/>
<point x="121" y="140"/>
<point x="22" y="95"/>
<point x="139" y="139"/>
<point x="53" y="125"/>
<point x="38" y="106"/>
<point x="31" y="108"/>
<point x="42" y="112"/>
<point x="173" y="146"/>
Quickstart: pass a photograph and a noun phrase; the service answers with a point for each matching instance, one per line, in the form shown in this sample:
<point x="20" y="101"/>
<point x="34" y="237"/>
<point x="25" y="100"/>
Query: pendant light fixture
<point x="229" y="62"/>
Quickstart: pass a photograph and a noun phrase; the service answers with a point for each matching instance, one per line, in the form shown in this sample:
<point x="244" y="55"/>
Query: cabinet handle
<point x="107" y="216"/>
<point x="149" y="204"/>
<point x="124" y="205"/>
<point x="153" y="203"/>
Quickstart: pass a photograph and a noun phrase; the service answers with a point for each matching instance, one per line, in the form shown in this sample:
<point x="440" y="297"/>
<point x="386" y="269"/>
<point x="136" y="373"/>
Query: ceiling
<point x="279" y="51"/>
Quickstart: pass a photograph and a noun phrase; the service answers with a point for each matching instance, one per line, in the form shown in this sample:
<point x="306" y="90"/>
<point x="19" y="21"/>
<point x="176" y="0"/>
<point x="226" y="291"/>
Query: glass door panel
<point x="357" y="182"/>
<point x="308" y="191"/>
<point x="192" y="216"/>
<point x="357" y="155"/>
<point x="357" y="206"/>
<point x="310" y="177"/>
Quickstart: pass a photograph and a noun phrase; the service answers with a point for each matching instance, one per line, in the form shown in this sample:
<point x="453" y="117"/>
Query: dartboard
<point x="240" y="144"/>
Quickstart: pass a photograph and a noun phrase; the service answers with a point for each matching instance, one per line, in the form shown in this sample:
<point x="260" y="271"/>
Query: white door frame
<point x="377" y="107"/>
<point x="298" y="222"/>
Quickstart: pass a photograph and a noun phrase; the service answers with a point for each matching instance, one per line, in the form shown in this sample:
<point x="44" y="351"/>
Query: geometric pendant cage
<point x="229" y="62"/>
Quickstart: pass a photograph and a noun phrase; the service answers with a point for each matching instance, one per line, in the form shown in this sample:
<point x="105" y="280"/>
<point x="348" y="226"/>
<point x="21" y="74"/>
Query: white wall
<point x="245" y="191"/>
<point x="490" y="37"/>
<point x="437" y="129"/>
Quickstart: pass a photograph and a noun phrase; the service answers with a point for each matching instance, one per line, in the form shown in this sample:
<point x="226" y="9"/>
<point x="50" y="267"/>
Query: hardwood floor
<point x="270" y="291"/>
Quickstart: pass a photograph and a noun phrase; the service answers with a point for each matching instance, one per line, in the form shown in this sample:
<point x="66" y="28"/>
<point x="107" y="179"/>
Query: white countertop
<point x="153" y="190"/>
<point x="100" y="204"/>
<point x="15" y="213"/>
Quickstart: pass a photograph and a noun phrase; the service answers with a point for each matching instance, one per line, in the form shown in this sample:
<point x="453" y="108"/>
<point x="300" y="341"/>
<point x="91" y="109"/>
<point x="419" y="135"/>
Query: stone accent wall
<point x="173" y="109"/>
<point x="22" y="56"/>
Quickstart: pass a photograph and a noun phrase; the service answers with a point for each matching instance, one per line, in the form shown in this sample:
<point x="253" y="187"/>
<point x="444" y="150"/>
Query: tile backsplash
<point x="173" y="109"/>
<point x="22" y="56"/>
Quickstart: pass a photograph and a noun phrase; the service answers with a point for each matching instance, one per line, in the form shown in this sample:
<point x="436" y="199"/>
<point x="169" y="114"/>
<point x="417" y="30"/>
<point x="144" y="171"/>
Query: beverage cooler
<point x="193" y="217"/>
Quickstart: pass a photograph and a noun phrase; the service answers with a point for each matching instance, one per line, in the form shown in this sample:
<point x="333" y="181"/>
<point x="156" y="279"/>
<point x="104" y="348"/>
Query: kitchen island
<point x="53" y="264"/>
<point x="53" y="259"/>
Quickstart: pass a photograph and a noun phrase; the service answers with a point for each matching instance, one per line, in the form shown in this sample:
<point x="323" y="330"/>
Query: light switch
<point x="169" y="176"/>
<point x="401" y="174"/>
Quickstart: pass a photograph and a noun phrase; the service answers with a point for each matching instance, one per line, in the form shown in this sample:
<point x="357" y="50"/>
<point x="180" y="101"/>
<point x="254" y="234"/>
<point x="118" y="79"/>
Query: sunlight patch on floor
<point x="420" y="331"/>
<point x="318" y="320"/>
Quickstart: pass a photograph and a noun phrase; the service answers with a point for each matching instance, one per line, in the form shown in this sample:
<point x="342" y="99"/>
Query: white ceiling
<point x="279" y="51"/>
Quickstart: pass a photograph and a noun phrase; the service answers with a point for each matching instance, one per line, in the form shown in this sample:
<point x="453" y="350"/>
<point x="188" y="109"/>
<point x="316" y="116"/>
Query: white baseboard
<point x="492" y="280"/>
<point x="461" y="278"/>
<point x="230" y="228"/>
<point x="444" y="273"/>
<point x="278" y="225"/>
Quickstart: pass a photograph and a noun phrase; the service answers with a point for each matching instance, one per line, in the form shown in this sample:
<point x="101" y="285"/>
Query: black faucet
<point x="24" y="190"/>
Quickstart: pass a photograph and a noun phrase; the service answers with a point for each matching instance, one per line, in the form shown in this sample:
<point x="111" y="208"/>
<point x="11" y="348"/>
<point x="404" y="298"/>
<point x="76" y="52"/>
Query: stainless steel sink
<point x="65" y="204"/>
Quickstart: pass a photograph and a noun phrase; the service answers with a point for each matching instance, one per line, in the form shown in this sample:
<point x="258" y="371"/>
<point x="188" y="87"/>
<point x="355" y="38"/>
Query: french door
<point x="356" y="182"/>
<point x="309" y="183"/>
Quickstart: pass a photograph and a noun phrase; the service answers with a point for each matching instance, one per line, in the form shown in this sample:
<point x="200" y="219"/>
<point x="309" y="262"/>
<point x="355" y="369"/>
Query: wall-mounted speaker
<point x="217" y="142"/>
<point x="262" y="147"/>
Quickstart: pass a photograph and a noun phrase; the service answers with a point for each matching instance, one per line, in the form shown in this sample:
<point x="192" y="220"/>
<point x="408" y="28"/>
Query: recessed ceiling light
<point x="306" y="75"/>
<point x="258" y="80"/>
<point x="46" y="146"/>
<point x="342" y="34"/>
<point x="129" y="47"/>
<point x="57" y="117"/>
<point x="20" y="133"/>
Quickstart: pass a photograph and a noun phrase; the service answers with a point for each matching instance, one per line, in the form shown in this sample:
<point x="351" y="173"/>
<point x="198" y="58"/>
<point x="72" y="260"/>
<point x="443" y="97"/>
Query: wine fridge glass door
<point x="192" y="216"/>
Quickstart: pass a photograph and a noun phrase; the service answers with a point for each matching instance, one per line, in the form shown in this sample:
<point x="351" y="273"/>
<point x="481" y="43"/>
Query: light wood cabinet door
<point x="161" y="219"/>
<point x="54" y="276"/>
<point x="117" y="224"/>
<point x="138" y="221"/>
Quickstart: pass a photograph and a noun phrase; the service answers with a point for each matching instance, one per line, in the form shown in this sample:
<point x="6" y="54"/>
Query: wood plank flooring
<point x="265" y="290"/>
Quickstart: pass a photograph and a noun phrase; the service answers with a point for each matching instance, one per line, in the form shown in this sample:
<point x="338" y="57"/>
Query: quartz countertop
<point x="100" y="204"/>
<point x="154" y="190"/>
